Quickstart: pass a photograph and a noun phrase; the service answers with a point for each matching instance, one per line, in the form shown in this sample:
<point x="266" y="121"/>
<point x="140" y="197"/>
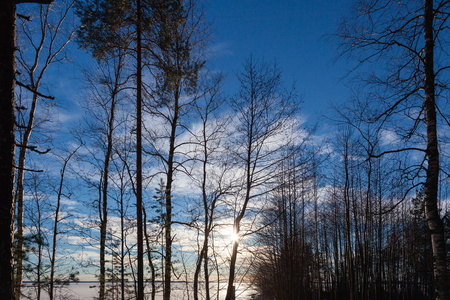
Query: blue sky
<point x="290" y="32"/>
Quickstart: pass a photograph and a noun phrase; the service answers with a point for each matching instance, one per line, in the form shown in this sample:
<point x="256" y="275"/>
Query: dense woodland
<point x="166" y="177"/>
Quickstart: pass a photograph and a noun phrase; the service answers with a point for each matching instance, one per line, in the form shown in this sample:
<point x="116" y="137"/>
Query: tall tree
<point x="105" y="99"/>
<point x="282" y="268"/>
<point x="51" y="288"/>
<point x="122" y="181"/>
<point x="7" y="138"/>
<point x="140" y="240"/>
<point x="264" y="112"/>
<point x="108" y="26"/>
<point x="210" y="176"/>
<point x="408" y="36"/>
<point x="43" y="43"/>
<point x="175" y="46"/>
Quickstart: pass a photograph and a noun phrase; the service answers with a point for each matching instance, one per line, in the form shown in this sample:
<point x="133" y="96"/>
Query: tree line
<point x="161" y="149"/>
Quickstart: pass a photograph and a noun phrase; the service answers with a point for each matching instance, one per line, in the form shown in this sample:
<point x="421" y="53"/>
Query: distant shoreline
<point x="147" y="281"/>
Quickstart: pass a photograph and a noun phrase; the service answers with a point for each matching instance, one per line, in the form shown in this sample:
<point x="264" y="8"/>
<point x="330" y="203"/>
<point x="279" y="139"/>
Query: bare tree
<point x="51" y="288"/>
<point x="409" y="36"/>
<point x="264" y="114"/>
<point x="212" y="174"/>
<point x="36" y="242"/>
<point x="123" y="189"/>
<point x="42" y="45"/>
<point x="7" y="139"/>
<point x="109" y="26"/>
<point x="106" y="94"/>
<point x="174" y="46"/>
<point x="285" y="263"/>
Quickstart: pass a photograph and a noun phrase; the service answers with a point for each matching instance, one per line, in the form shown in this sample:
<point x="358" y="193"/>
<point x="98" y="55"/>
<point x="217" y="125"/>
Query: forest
<point x="163" y="181"/>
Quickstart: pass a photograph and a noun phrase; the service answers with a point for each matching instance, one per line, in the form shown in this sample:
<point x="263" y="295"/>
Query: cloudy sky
<point x="292" y="33"/>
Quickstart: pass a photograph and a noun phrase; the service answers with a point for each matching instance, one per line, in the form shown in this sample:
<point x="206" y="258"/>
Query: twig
<point x="33" y="91"/>
<point x="29" y="170"/>
<point x="33" y="148"/>
<point x="24" y="17"/>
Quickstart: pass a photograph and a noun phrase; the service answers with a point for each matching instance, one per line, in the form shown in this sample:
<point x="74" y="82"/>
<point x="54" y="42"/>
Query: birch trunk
<point x="434" y="220"/>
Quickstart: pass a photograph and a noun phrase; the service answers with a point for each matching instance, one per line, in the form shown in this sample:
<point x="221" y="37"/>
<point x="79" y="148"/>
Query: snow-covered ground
<point x="89" y="290"/>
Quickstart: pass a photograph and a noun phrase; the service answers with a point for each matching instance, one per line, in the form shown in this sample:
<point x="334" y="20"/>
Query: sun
<point x="233" y="236"/>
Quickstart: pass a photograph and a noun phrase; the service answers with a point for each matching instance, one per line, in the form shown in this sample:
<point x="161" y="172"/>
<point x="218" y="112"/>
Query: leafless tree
<point x="174" y="47"/>
<point x="409" y="36"/>
<point x="51" y="288"/>
<point x="107" y="91"/>
<point x="264" y="115"/>
<point x="211" y="172"/>
<point x="42" y="42"/>
<point x="7" y="139"/>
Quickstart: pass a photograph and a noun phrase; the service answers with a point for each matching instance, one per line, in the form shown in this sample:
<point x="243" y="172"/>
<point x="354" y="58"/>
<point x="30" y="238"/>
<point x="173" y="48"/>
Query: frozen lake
<point x="89" y="290"/>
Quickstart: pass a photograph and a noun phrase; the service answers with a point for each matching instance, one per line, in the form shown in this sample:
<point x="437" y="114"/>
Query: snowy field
<point x="89" y="290"/>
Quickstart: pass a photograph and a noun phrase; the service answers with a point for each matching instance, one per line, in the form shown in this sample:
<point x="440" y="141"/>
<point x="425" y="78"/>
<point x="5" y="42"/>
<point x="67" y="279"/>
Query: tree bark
<point x="103" y="202"/>
<point x="19" y="201"/>
<point x="7" y="142"/>
<point x="149" y="256"/>
<point x="434" y="220"/>
<point x="20" y="174"/>
<point x="168" y="198"/>
<point x="140" y="241"/>
<point x="55" y="226"/>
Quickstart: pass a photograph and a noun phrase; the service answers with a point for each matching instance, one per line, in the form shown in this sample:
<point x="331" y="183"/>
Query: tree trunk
<point x="18" y="255"/>
<point x="7" y="142"/>
<point x="140" y="242"/>
<point x="122" y="246"/>
<point x="149" y="256"/>
<point x="55" y="227"/>
<point x="237" y="221"/>
<point x="349" y="253"/>
<point x="19" y="200"/>
<point x="236" y="227"/>
<point x="197" y="270"/>
<point x="103" y="201"/>
<point x="168" y="198"/>
<point x="206" y="271"/>
<point x="230" y="288"/>
<point x="39" y="264"/>
<point x="434" y="220"/>
<point x="208" y="214"/>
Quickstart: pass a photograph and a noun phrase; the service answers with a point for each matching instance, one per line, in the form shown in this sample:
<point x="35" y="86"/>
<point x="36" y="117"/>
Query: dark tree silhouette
<point x="264" y="110"/>
<point x="7" y="139"/>
<point x="107" y="27"/>
<point x="409" y="36"/>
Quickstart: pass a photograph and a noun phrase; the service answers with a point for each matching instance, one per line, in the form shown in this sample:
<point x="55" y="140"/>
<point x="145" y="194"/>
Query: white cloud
<point x="389" y="137"/>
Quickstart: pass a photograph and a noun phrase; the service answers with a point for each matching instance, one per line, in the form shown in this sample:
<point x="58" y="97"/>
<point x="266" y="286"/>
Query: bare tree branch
<point x="33" y="91"/>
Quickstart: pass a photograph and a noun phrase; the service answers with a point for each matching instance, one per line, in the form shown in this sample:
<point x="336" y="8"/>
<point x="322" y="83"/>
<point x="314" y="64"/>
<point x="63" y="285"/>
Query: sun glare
<point x="234" y="237"/>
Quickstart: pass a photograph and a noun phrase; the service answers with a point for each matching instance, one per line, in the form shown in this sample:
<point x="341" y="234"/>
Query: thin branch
<point x="396" y="151"/>
<point x="390" y="209"/>
<point x="442" y="115"/>
<point x="33" y="91"/>
<point x="33" y="148"/>
<point x="24" y="17"/>
<point x="20" y="126"/>
<point x="29" y="170"/>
